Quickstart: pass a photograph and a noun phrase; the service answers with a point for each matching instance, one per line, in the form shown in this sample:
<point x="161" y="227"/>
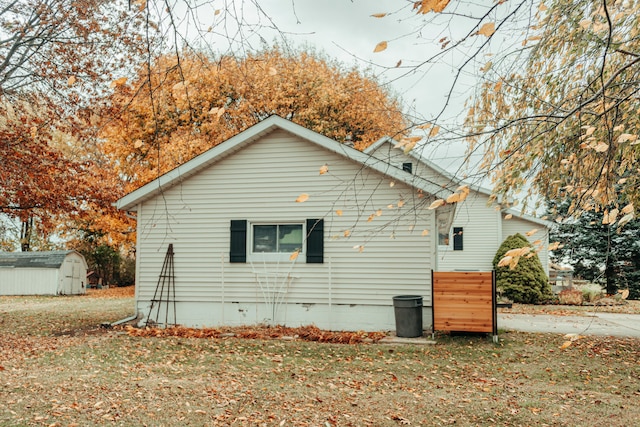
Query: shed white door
<point x="71" y="281"/>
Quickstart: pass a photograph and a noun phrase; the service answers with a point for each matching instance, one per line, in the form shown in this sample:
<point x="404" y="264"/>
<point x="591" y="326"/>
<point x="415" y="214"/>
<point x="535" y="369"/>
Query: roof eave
<point x="527" y="217"/>
<point x="228" y="147"/>
<point x="175" y="176"/>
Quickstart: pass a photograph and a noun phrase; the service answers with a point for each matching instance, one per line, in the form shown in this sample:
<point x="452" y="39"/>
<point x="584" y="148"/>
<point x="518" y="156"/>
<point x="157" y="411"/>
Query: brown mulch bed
<point x="304" y="333"/>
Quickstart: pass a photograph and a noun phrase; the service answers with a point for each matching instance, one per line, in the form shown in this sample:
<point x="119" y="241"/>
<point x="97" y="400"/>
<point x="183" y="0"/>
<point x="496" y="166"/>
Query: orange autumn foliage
<point x="182" y="108"/>
<point x="37" y="179"/>
<point x="57" y="58"/>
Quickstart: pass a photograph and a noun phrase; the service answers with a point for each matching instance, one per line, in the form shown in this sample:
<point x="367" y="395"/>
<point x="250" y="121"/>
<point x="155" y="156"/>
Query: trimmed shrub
<point x="527" y="283"/>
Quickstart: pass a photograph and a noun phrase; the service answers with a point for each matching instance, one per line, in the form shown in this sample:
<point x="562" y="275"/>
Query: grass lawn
<point x="59" y="368"/>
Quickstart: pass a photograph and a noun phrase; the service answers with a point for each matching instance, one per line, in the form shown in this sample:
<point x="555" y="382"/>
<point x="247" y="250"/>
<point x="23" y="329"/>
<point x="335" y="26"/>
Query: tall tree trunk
<point x="25" y="234"/>
<point x="611" y="280"/>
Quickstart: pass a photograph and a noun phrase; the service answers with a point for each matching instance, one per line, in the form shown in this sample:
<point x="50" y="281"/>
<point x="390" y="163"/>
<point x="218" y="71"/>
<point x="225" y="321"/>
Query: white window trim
<point x="274" y="256"/>
<point x="448" y="246"/>
<point x="449" y="212"/>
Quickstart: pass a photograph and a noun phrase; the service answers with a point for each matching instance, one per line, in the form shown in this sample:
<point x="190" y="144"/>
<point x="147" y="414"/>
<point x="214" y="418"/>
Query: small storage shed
<point x="42" y="273"/>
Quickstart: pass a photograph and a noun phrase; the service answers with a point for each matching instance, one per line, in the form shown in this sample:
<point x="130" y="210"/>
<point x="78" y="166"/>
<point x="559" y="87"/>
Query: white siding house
<point x="469" y="235"/>
<point x="233" y="221"/>
<point x="42" y="273"/>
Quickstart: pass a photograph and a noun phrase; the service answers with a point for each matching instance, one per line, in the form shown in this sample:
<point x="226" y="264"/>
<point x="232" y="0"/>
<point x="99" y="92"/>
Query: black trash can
<point x="408" y="312"/>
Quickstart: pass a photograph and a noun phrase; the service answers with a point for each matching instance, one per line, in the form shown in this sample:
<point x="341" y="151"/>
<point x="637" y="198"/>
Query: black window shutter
<point x="457" y="238"/>
<point x="238" y="246"/>
<point x="315" y="241"/>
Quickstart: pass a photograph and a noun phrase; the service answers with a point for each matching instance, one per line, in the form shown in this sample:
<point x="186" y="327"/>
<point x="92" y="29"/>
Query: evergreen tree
<point x="601" y="253"/>
<point x="527" y="283"/>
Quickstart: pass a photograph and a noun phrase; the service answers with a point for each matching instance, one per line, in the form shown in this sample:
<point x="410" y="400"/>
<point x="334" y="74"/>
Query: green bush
<point x="591" y="292"/>
<point x="527" y="283"/>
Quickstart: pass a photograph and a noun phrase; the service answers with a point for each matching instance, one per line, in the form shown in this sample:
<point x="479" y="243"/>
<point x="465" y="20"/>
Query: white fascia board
<point x="530" y="218"/>
<point x="452" y="178"/>
<point x="224" y="149"/>
<point x="419" y="158"/>
<point x="373" y="147"/>
<point x="378" y="165"/>
<point x="177" y="175"/>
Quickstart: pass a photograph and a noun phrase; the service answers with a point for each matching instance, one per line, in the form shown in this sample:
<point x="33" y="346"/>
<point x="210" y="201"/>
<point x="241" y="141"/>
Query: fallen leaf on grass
<point x="402" y="420"/>
<point x="305" y="333"/>
<point x="112" y="292"/>
<point x="573" y="337"/>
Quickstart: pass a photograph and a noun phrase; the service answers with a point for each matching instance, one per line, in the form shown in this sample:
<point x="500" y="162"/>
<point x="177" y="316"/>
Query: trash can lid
<point x="407" y="297"/>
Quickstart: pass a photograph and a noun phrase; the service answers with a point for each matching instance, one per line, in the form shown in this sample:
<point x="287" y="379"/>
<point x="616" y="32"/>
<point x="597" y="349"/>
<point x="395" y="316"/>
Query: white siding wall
<point x="396" y="157"/>
<point x="522" y="226"/>
<point x="481" y="236"/>
<point x="484" y="227"/>
<point x="351" y="290"/>
<point x="29" y="281"/>
<point x="480" y="222"/>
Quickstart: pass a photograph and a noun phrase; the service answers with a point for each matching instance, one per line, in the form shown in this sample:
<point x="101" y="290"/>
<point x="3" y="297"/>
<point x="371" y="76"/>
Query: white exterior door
<point x="70" y="276"/>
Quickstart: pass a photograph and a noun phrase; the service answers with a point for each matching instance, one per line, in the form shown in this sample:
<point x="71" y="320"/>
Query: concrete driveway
<point x="608" y="324"/>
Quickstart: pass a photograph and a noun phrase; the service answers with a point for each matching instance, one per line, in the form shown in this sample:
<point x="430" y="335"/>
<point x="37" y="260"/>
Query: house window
<point x="457" y="238"/>
<point x="443" y="238"/>
<point x="277" y="238"/>
<point x="446" y="237"/>
<point x="407" y="167"/>
<point x="276" y="242"/>
<point x="444" y="218"/>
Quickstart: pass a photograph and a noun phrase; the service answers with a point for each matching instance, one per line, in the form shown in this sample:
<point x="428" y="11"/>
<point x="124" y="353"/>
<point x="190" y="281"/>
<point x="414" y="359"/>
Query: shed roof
<point x="48" y="259"/>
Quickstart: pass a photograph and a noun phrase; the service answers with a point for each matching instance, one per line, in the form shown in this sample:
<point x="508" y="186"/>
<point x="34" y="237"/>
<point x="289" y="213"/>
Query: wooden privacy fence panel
<point x="464" y="301"/>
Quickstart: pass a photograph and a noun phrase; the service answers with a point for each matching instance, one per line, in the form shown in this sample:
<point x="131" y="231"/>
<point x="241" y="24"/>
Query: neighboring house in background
<point x="469" y="233"/>
<point x="42" y="273"/>
<point x="94" y="280"/>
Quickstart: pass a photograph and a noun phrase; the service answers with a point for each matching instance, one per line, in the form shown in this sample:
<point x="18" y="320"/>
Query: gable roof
<point x="256" y="132"/>
<point x="416" y="156"/>
<point x="48" y="259"/>
<point x="453" y="179"/>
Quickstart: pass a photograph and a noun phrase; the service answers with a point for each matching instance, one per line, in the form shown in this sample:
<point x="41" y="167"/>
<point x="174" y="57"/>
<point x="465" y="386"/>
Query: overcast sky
<point x="347" y="30"/>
